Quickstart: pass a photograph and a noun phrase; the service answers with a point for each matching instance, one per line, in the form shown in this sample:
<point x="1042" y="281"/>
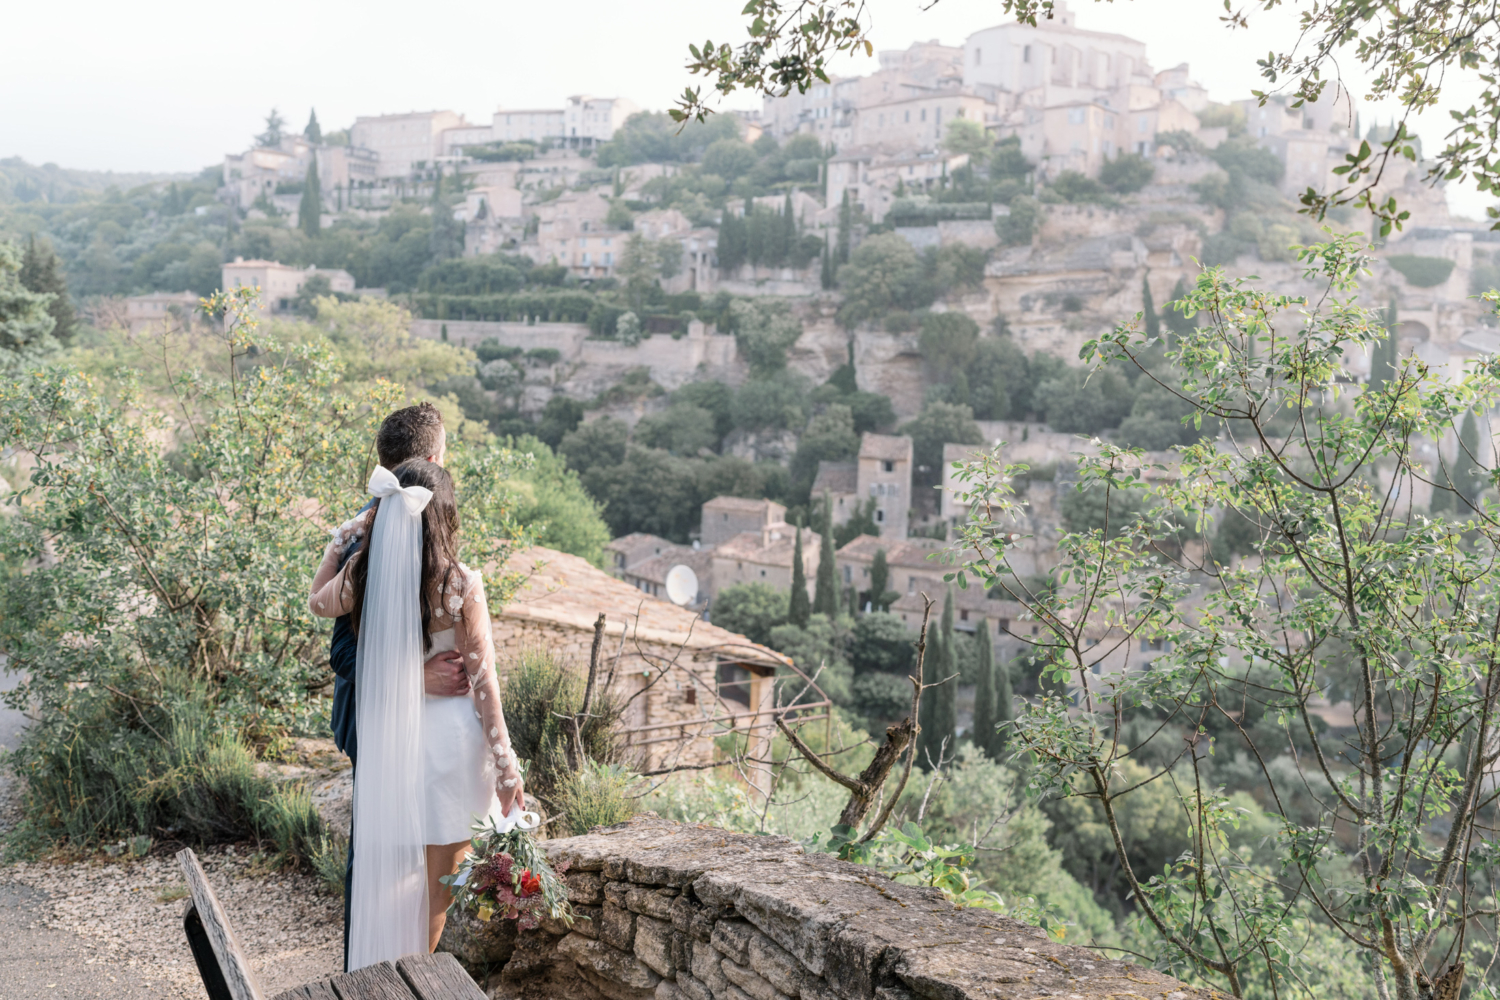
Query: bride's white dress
<point x="467" y="759"/>
<point x="458" y="790"/>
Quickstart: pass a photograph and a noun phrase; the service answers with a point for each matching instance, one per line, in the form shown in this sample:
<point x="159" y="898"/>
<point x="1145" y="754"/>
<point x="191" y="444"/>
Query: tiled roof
<point x="836" y="477"/>
<point x="908" y="552"/>
<point x="888" y="447"/>
<point x="766" y="550"/>
<point x="567" y="591"/>
<point x="656" y="568"/>
<point x="741" y="503"/>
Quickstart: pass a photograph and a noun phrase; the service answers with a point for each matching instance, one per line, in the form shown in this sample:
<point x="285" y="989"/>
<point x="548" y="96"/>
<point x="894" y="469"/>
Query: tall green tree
<point x="880" y="582"/>
<point x="985" y="693"/>
<point x="310" y="211"/>
<point x="938" y="715"/>
<point x="1148" y="310"/>
<point x="275" y="124"/>
<point x="42" y="272"/>
<point x="313" y="133"/>
<point x="846" y="230"/>
<point x="1469" y="476"/>
<point x="1383" y="352"/>
<point x="799" y="610"/>
<point x="25" y="320"/>
<point x="826" y="587"/>
<point x="826" y="275"/>
<point x="787" y="231"/>
<point x="1005" y="709"/>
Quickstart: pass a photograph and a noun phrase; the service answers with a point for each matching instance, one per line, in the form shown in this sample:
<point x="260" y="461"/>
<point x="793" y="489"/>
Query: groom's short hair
<point x="410" y="432"/>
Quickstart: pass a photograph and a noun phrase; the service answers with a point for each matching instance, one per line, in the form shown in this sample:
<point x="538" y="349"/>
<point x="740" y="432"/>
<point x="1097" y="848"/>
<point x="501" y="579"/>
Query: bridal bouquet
<point x="506" y="873"/>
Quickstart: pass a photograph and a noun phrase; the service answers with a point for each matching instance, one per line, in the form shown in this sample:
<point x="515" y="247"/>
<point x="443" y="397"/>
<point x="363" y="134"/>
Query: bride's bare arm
<point x="470" y="615"/>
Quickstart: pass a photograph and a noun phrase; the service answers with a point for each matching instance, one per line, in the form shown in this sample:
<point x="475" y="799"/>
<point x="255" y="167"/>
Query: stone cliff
<point x="674" y="912"/>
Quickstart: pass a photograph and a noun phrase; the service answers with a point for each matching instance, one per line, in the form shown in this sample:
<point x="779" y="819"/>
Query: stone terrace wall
<point x="674" y="912"/>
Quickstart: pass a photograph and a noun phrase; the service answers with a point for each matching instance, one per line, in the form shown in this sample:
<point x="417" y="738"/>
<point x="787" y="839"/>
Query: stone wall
<point x="674" y="912"/>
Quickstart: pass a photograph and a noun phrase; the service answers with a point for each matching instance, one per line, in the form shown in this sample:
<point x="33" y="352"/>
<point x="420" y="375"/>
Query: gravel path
<point x="112" y="927"/>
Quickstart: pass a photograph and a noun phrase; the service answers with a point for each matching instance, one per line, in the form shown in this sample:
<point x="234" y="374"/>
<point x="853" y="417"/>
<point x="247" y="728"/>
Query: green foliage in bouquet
<point x="507" y="874"/>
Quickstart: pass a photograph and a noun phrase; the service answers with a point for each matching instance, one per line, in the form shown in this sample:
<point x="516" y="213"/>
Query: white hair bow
<point x="383" y="483"/>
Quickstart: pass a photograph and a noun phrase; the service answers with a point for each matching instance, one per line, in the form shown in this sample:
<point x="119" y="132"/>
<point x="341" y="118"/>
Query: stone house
<point x="885" y="468"/>
<point x="685" y="681"/>
<point x="725" y="517"/>
<point x="279" y="283"/>
<point x="643" y="561"/>
<point x="765" y="556"/>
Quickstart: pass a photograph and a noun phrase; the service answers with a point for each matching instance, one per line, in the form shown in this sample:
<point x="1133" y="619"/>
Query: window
<point x="880" y="517"/>
<point x="1140" y="147"/>
<point x="1109" y="121"/>
<point x="609" y="259"/>
<point x="924" y="114"/>
<point x="908" y="118"/>
<point x="1026" y="53"/>
<point x="585" y="260"/>
<point x="734" y="683"/>
<point x="1143" y="123"/>
<point x="963" y="616"/>
<point x="1003" y="625"/>
<point x="888" y="466"/>
<point x="762" y="572"/>
<point x="977" y="59"/>
<point x="911" y="585"/>
<point x="1075" y="116"/>
<point x="848" y="574"/>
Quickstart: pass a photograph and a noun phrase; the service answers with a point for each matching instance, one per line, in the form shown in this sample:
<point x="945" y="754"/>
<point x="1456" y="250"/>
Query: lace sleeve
<point x="331" y="593"/>
<point x="475" y="640"/>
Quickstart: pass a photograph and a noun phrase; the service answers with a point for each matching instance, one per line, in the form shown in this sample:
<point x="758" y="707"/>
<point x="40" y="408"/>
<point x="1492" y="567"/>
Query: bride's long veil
<point x="388" y="912"/>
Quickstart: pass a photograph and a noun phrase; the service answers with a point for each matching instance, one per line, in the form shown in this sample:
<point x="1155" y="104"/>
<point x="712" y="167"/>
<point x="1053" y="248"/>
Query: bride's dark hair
<point x="439" y="541"/>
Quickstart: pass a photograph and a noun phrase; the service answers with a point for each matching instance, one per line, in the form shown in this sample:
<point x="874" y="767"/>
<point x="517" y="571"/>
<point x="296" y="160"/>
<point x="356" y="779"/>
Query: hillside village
<point x="823" y="303"/>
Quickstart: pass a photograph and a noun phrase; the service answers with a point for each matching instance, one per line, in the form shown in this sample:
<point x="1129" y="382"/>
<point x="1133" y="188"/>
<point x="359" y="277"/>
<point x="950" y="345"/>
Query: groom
<point x="412" y="432"/>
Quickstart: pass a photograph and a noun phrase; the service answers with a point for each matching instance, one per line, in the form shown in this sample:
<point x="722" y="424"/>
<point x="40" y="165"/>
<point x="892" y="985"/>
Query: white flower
<point x="473" y="656"/>
<point x="494" y="732"/>
<point x="481" y="696"/>
<point x="322" y="606"/>
<point x="509" y="782"/>
<point x="455" y="602"/>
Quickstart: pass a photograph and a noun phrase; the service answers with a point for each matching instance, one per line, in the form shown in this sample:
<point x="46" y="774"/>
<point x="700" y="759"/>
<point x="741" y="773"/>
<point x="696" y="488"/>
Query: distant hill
<point x="22" y="182"/>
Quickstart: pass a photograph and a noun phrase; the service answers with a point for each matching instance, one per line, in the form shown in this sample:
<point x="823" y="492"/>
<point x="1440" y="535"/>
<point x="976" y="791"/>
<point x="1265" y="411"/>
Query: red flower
<point x="530" y="884"/>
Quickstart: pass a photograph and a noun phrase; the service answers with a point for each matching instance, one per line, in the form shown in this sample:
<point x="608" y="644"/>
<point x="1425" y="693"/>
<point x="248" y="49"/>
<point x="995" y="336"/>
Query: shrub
<point x="883" y="697"/>
<point x="539" y="692"/>
<point x="1075" y="187"/>
<point x="594" y="795"/>
<point x="750" y="609"/>
<point x="1423" y="272"/>
<point x="881" y="643"/>
<point x="1126" y="173"/>
<point x="1018" y="227"/>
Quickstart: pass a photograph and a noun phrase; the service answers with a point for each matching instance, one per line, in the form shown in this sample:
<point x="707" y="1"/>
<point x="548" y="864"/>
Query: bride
<point x="428" y="766"/>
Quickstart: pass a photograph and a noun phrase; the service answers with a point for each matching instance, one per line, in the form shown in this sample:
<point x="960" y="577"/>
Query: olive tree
<point x="1383" y="853"/>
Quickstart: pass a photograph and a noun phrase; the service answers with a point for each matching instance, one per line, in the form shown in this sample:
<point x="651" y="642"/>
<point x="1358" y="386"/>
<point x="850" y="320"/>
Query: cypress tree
<point x="310" y="212"/>
<point x="1148" y="310"/>
<point x="799" y="610"/>
<point x="41" y="272"/>
<point x="1468" y="476"/>
<point x="827" y="274"/>
<point x="313" y="133"/>
<point x="787" y="232"/>
<point x="1383" y="354"/>
<point x="985" y="693"/>
<point x="826" y="589"/>
<point x="756" y="235"/>
<point x="939" y="712"/>
<point x="880" y="580"/>
<point x="846" y="226"/>
<point x="1176" y="321"/>
<point x="731" y="248"/>
<point x="1005" y="709"/>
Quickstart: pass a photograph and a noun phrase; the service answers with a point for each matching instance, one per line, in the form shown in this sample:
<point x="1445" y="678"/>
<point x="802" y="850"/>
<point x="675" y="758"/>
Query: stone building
<point x="765" y="556"/>
<point x="686" y="681"/>
<point x="885" y="468"/>
<point x="279" y="283"/>
<point x="643" y="561"/>
<point x="160" y="310"/>
<point x="404" y="142"/>
<point x="725" y="517"/>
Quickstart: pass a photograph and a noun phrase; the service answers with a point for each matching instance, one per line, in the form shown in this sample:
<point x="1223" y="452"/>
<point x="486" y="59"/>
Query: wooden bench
<point x="226" y="972"/>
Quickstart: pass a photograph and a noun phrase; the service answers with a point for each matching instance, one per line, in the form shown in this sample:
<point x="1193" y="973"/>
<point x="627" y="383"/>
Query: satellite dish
<point x="682" y="584"/>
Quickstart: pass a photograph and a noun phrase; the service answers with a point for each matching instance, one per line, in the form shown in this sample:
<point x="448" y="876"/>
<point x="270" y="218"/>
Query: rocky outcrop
<point x="674" y="912"/>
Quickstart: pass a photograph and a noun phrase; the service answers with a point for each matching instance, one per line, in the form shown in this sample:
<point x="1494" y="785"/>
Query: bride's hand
<point x="511" y="796"/>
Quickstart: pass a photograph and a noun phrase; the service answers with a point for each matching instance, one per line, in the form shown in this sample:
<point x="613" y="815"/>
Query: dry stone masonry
<point x="674" y="912"/>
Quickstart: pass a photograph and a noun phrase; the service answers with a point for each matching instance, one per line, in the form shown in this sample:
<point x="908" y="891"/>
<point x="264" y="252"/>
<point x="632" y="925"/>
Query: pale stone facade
<point x="279" y="283"/>
<point x="687" y="681"/>
<point x="885" y="468"/>
<point x="765" y="556"/>
<point x="405" y="141"/>
<point x="726" y="517"/>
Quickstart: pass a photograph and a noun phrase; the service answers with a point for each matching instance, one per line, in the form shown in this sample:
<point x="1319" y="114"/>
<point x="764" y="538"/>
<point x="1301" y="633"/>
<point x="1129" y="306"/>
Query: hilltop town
<point x="746" y="334"/>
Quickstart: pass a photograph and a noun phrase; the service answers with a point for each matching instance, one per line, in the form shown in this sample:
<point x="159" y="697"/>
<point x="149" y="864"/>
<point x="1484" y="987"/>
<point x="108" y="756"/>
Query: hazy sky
<point x="171" y="86"/>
